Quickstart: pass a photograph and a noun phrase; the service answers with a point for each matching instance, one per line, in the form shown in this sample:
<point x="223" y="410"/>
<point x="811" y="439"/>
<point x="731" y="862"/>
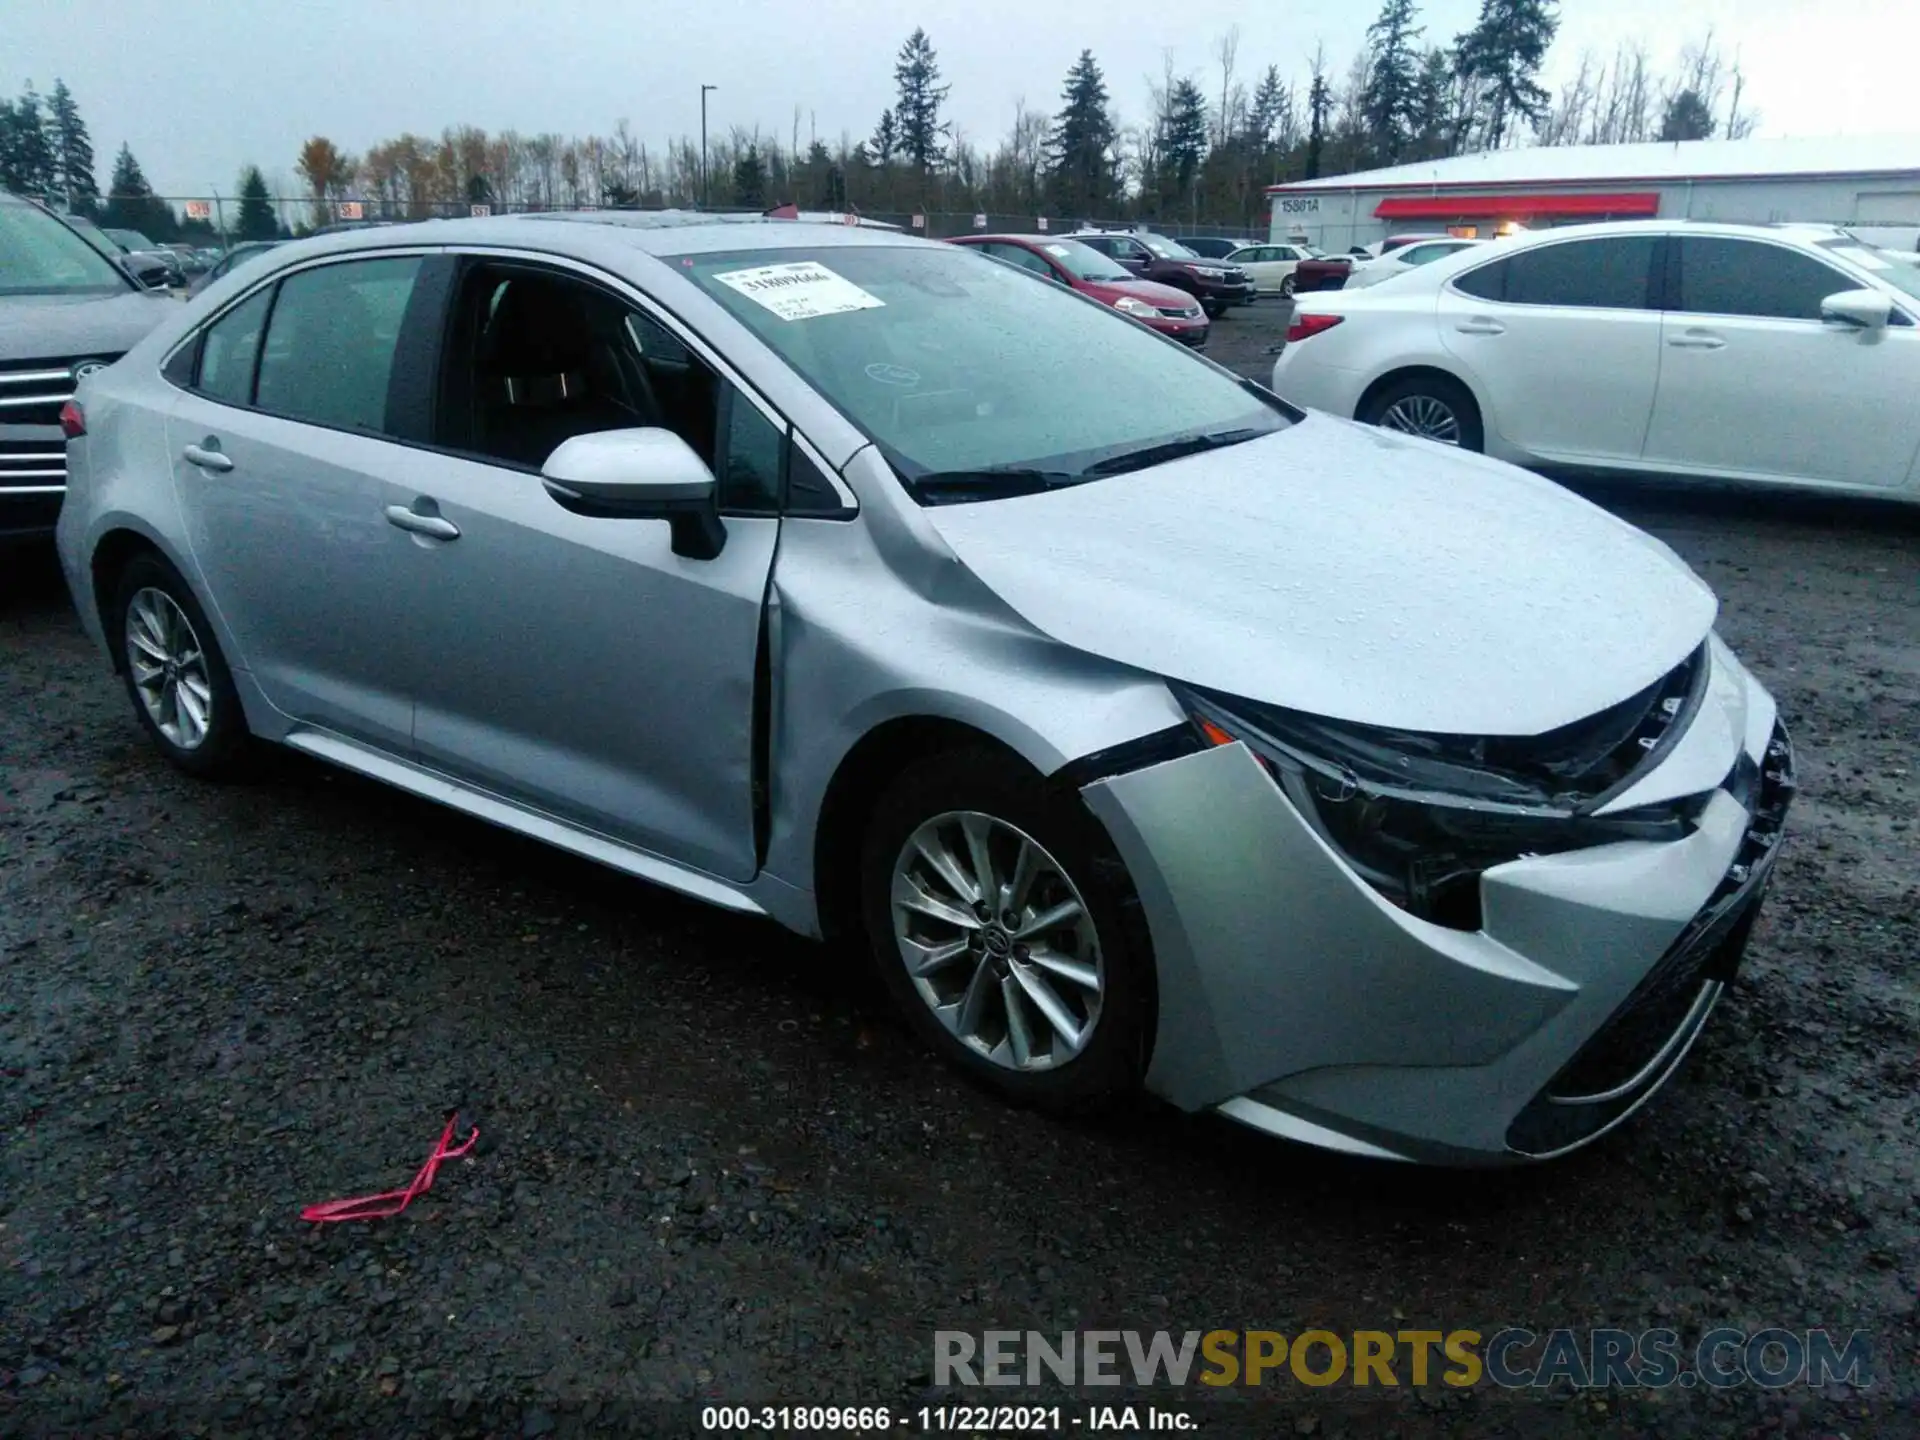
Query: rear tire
<point x="1286" y="287"/>
<point x="1054" y="1014"/>
<point x="176" y="677"/>
<point x="1430" y="406"/>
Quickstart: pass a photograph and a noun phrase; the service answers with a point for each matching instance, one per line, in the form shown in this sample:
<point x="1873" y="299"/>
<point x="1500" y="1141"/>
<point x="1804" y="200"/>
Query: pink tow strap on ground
<point x="378" y="1207"/>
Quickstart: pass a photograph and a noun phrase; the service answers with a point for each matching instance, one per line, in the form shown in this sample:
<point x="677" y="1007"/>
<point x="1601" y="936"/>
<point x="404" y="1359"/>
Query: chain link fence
<point x="219" y="219"/>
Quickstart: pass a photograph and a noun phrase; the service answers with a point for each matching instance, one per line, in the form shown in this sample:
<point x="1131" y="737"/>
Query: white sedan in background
<point x="1407" y="257"/>
<point x="1781" y="354"/>
<point x="1272" y="265"/>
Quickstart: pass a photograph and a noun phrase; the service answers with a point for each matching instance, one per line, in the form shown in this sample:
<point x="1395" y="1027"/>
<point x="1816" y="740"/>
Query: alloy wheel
<point x="1422" y="415"/>
<point x="169" y="667"/>
<point x="997" y="940"/>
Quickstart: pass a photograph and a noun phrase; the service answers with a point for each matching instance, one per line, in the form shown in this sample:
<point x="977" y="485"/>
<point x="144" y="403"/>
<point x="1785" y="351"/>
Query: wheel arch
<point x="863" y="774"/>
<point x="1421" y="371"/>
<point x="118" y="544"/>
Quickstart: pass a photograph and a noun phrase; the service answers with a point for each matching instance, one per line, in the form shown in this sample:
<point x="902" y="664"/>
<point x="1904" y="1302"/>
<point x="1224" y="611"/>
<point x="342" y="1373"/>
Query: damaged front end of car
<point x="1420" y="817"/>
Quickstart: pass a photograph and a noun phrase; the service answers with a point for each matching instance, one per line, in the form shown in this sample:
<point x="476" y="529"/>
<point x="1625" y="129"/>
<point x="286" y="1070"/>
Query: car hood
<point x="1347" y="572"/>
<point x="46" y="327"/>
<point x="1151" y="291"/>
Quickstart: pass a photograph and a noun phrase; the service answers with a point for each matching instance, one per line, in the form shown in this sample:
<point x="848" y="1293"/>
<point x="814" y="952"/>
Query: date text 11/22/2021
<point x="939" y="1419"/>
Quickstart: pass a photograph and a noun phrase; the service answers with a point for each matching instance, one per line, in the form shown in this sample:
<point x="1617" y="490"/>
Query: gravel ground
<point x="711" y="1167"/>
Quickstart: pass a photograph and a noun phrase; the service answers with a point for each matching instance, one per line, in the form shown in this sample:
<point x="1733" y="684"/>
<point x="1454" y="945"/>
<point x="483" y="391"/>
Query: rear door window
<point x="228" y="350"/>
<point x="331" y="342"/>
<point x="1720" y="275"/>
<point x="1024" y="258"/>
<point x="1606" y="273"/>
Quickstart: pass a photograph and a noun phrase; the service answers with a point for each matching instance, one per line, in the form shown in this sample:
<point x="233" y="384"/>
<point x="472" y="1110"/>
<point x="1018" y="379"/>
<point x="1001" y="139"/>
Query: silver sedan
<point x="1144" y="731"/>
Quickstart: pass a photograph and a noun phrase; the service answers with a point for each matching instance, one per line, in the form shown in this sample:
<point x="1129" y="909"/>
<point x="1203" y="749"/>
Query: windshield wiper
<point x="1149" y="455"/>
<point x="990" y="484"/>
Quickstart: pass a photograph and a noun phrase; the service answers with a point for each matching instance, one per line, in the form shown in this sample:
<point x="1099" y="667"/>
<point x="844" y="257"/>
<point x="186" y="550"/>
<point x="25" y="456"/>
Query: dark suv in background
<point x="65" y="309"/>
<point x="1211" y="247"/>
<point x="1215" y="284"/>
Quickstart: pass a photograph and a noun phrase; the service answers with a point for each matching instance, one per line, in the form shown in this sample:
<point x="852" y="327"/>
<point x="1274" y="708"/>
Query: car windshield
<point x="132" y="239"/>
<point x="1897" y="270"/>
<point x="1084" y="262"/>
<point x="1166" y="249"/>
<point x="973" y="381"/>
<point x="41" y="256"/>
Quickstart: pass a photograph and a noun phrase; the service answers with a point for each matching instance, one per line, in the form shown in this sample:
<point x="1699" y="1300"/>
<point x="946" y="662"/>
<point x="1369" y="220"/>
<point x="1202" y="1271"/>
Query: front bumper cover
<point x="1293" y="997"/>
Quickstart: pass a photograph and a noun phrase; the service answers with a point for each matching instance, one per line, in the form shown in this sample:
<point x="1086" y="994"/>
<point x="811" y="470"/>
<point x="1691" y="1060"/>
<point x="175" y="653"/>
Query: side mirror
<point x="150" y="273"/>
<point x="645" y="474"/>
<point x="1864" y="309"/>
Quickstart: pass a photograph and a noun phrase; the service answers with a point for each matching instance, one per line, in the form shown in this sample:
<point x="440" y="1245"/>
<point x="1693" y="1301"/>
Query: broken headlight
<point x="1419" y="816"/>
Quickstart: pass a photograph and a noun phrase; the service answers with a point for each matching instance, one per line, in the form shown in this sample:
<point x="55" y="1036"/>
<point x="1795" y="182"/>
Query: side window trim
<point x="259" y="350"/>
<point x="195" y="338"/>
<point x="629" y="294"/>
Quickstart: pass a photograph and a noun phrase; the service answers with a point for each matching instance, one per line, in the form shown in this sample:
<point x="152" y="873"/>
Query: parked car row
<point x="1067" y="261"/>
<point x="1783" y="354"/>
<point x="1145" y="730"/>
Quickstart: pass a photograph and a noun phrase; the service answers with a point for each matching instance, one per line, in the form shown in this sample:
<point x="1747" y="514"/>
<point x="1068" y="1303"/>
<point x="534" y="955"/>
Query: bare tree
<point x="1227" y="51"/>
<point x="1028" y="149"/>
<point x="1740" y="123"/>
<point x="1568" y="119"/>
<point x="1623" y="99"/>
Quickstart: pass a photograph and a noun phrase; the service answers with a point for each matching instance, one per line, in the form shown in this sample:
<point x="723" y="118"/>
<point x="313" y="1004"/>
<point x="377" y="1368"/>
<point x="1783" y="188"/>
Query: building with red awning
<point x="1871" y="183"/>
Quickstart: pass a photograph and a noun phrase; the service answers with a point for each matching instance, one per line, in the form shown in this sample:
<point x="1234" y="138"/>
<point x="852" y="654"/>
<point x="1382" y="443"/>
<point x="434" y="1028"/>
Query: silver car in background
<point x="1148" y="732"/>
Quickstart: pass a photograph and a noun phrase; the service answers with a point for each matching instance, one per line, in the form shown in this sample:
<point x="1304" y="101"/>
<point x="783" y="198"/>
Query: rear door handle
<point x="438" y="526"/>
<point x="207" y="459"/>
<point x="1696" y="340"/>
<point x="1481" y="327"/>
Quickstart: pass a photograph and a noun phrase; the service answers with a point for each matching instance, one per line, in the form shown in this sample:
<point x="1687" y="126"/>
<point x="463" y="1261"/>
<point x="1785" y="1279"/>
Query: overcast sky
<point x="201" y="87"/>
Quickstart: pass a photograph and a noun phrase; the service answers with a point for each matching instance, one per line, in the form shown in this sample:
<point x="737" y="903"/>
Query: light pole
<point x="705" y="189"/>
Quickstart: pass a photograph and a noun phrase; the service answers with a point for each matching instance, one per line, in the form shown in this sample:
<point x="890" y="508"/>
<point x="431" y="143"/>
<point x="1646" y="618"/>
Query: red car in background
<point x="1330" y="272"/>
<point x="1174" y="313"/>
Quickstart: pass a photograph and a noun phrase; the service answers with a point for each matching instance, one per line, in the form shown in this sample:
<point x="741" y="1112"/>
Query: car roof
<point x="1018" y="239"/>
<point x="652" y="232"/>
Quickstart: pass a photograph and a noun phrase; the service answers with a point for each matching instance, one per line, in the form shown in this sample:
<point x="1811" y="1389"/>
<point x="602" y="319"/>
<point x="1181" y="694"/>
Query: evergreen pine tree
<point x="1319" y="111"/>
<point x="917" y="113"/>
<point x="1391" y="98"/>
<point x="750" y="179"/>
<point x="1081" y="173"/>
<point x="1269" y="107"/>
<point x="886" y="140"/>
<point x="1183" y="139"/>
<point x="819" y="176"/>
<point x="73" y="175"/>
<point x="1432" y="90"/>
<point x="9" y="147"/>
<point x="130" y="201"/>
<point x="1686" y="118"/>
<point x="1504" y="52"/>
<point x="257" y="220"/>
<point x="26" y="155"/>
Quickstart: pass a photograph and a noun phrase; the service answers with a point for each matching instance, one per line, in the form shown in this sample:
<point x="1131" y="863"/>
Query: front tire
<point x="181" y="688"/>
<point x="1286" y="287"/>
<point x="1430" y="406"/>
<point x="999" y="919"/>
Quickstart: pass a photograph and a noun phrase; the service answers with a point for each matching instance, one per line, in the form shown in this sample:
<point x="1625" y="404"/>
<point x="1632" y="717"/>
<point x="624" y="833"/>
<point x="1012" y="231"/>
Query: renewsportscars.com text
<point x="1512" y="1358"/>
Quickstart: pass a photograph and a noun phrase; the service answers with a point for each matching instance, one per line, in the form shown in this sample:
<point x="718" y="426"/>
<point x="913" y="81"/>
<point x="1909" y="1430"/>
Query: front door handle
<point x="207" y="457"/>
<point x="1696" y="340"/>
<point x="438" y="526"/>
<point x="1481" y="327"/>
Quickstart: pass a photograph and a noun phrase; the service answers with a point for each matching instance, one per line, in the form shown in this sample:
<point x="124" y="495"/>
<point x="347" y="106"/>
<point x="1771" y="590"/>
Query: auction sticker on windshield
<point x="801" y="290"/>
